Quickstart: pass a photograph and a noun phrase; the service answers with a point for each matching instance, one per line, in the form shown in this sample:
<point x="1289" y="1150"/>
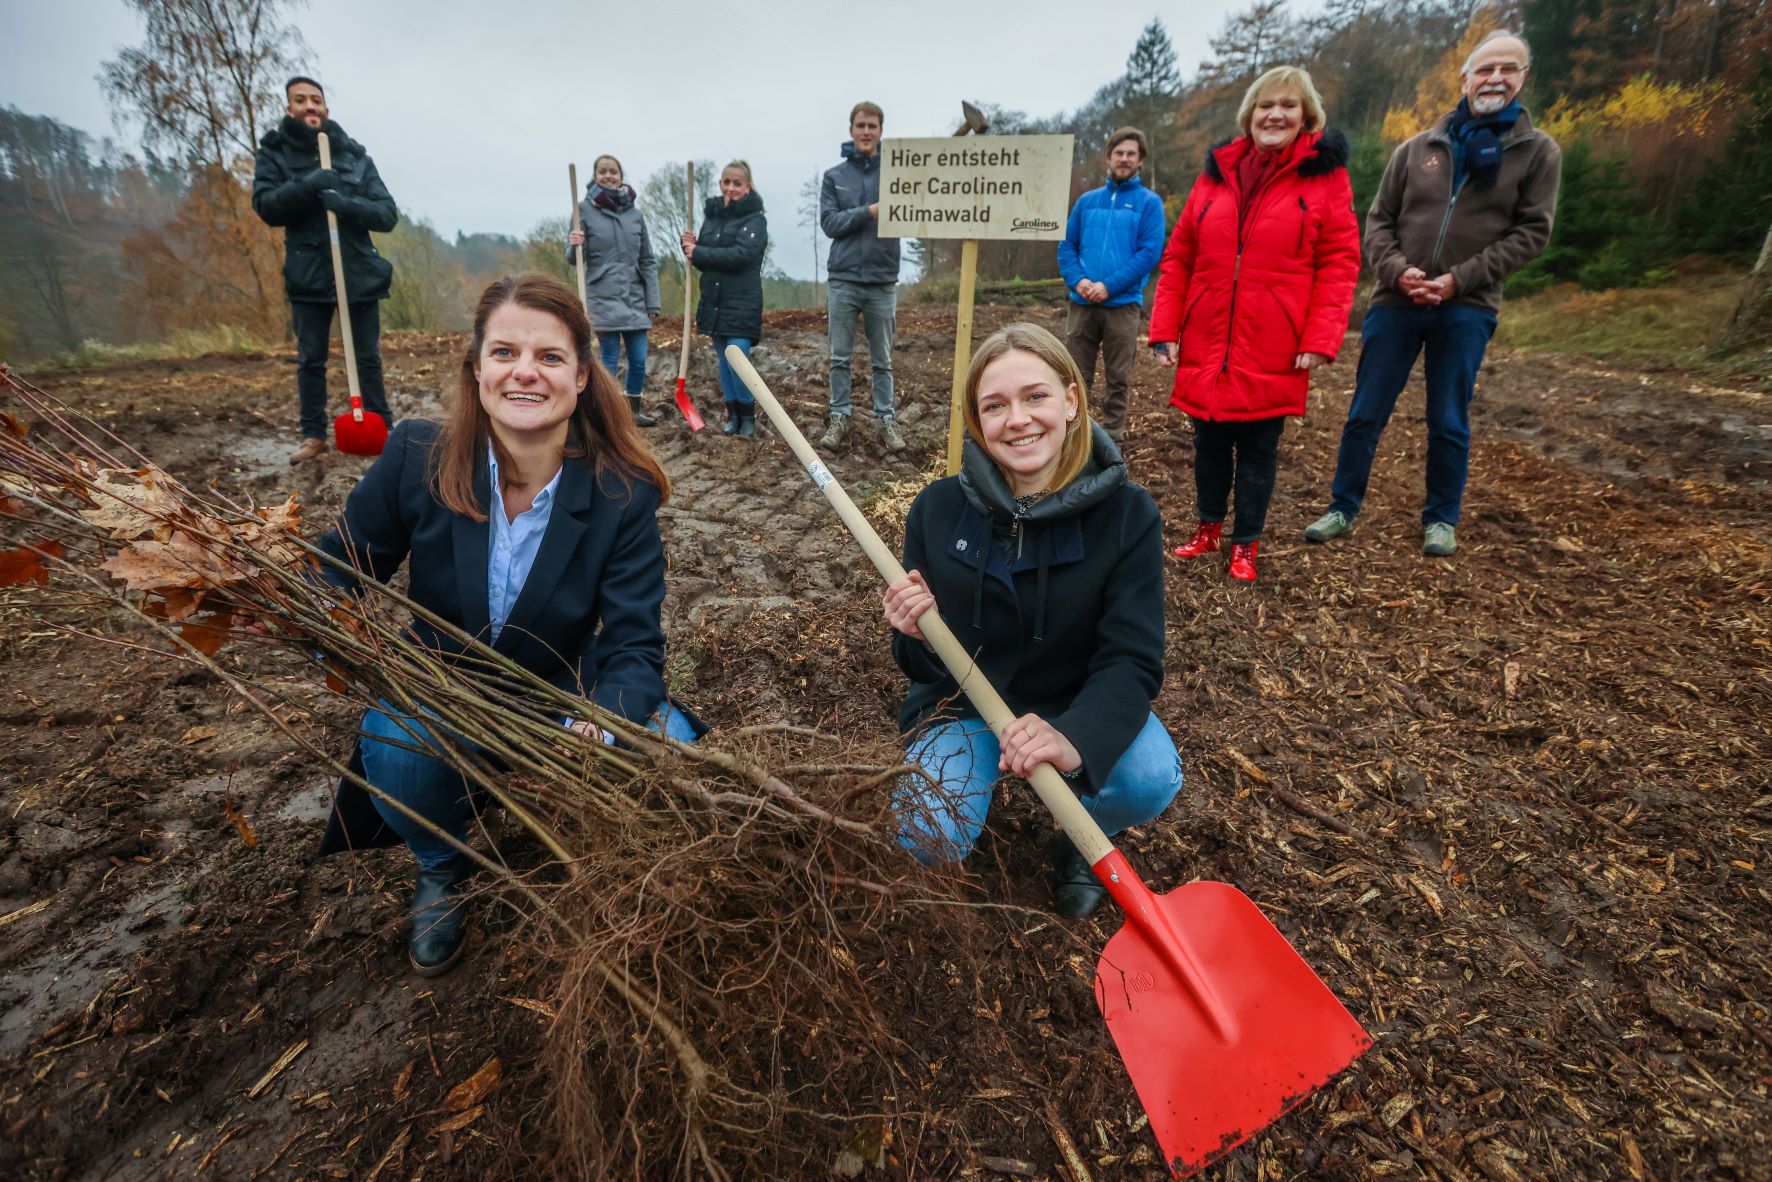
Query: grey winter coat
<point x="858" y="253"/>
<point x="621" y="272"/>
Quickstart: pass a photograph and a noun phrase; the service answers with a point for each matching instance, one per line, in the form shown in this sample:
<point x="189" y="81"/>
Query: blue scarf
<point x="1476" y="142"/>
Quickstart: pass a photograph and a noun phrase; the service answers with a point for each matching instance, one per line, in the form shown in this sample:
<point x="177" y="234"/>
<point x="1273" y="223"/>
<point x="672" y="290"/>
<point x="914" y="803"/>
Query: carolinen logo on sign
<point x="1032" y="225"/>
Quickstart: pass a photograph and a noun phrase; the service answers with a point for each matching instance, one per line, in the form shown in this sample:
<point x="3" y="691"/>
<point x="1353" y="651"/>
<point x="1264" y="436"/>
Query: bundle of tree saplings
<point x="744" y="955"/>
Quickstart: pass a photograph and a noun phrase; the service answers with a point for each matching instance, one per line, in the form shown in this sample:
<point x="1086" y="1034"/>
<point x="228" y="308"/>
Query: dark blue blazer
<point x="586" y="620"/>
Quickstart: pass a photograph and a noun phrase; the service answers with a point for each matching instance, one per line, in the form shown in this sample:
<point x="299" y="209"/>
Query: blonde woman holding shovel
<point x="1048" y="565"/>
<point x="729" y="254"/>
<point x="621" y="275"/>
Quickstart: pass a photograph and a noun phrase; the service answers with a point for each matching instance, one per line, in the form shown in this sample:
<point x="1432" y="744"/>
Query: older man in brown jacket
<point x="1461" y="207"/>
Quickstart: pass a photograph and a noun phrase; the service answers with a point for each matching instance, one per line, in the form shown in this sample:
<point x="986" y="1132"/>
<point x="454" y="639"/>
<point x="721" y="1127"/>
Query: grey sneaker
<point x="834" y="434"/>
<point x="1438" y="539"/>
<point x="1333" y="524"/>
<point x="889" y="435"/>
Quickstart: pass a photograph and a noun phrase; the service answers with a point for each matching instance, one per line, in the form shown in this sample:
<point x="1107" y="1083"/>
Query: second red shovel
<point x="358" y="432"/>
<point x="1221" y="1025"/>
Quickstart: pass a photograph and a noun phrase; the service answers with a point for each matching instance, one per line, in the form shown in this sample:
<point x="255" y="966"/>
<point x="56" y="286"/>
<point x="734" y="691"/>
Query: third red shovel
<point x="1221" y="1025"/>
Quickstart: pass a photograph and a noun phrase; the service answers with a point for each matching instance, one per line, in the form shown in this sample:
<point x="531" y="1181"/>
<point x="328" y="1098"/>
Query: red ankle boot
<point x="1205" y="541"/>
<point x="1243" y="561"/>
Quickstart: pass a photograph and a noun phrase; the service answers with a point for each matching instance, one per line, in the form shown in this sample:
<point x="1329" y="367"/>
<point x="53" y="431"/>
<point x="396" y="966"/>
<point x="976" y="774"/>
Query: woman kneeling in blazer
<point x="530" y="518"/>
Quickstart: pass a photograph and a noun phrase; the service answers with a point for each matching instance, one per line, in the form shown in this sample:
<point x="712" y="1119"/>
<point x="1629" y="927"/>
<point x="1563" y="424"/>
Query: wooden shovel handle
<point x="338" y="283"/>
<point x="578" y="252"/>
<point x="1054" y="793"/>
<point x="688" y="279"/>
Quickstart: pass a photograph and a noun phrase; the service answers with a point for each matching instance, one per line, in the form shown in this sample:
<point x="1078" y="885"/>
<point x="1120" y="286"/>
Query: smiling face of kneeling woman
<point x="1025" y="407"/>
<point x="529" y="385"/>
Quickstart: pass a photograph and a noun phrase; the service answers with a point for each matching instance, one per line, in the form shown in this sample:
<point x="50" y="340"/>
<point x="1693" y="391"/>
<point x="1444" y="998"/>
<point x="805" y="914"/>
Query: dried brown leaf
<point x="26" y="565"/>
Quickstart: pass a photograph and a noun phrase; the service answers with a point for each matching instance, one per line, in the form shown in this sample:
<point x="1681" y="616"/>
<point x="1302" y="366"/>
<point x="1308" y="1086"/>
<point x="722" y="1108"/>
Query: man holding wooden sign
<point x="982" y="186"/>
<point x="863" y="276"/>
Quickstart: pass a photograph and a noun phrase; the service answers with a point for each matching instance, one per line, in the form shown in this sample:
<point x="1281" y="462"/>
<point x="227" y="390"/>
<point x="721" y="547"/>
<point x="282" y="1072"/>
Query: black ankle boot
<point x="439" y="918"/>
<point x="747" y="418"/>
<point x="1076" y="892"/>
<point x="641" y="418"/>
<point x="730" y="426"/>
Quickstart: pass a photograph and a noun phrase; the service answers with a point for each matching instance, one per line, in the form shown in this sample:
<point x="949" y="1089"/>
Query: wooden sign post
<point x="986" y="186"/>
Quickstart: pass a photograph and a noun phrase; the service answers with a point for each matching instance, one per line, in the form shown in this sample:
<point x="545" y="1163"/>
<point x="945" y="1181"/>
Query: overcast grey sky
<point x="472" y="110"/>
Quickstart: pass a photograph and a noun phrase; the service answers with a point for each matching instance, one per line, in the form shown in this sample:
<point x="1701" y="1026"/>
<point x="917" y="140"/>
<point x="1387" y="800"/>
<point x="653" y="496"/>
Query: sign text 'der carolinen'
<point x="988" y="186"/>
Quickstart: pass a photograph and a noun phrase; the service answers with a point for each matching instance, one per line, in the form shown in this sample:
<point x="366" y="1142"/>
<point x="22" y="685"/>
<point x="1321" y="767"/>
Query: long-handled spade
<point x="1221" y="1025"/>
<point x="683" y="402"/>
<point x="358" y="432"/>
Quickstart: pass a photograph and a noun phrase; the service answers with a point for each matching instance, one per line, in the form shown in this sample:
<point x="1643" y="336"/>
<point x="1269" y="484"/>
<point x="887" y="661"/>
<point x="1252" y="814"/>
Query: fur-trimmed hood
<point x="1330" y="151"/>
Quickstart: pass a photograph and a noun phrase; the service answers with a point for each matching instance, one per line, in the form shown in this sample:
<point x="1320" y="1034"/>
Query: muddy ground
<point x="1513" y="806"/>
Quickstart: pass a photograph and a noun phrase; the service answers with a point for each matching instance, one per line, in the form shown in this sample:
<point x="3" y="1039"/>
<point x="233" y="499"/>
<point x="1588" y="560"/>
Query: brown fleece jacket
<point x="1482" y="235"/>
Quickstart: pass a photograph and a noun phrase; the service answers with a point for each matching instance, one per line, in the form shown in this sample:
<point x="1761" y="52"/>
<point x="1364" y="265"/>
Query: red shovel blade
<point x="364" y="436"/>
<point x="688" y="408"/>
<point x="1222" y="1026"/>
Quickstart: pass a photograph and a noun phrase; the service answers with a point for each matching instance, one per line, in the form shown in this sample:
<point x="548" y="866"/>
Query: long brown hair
<point x="1031" y="338"/>
<point x="601" y="429"/>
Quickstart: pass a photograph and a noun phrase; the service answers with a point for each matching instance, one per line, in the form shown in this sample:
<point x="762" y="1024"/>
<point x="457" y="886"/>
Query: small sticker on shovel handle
<point x="821" y="475"/>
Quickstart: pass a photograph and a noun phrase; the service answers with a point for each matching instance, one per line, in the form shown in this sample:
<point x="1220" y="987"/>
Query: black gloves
<point x="322" y="179"/>
<point x="334" y="200"/>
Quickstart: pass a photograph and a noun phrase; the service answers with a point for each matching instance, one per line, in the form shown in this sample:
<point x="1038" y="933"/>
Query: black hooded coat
<point x="1062" y="604"/>
<point x="285" y="193"/>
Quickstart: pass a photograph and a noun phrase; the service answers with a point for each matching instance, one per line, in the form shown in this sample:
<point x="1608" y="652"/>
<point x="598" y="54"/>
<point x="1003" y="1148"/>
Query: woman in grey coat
<point x="621" y="274"/>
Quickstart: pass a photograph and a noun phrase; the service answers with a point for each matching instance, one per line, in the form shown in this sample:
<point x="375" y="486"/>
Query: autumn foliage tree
<point x="204" y="84"/>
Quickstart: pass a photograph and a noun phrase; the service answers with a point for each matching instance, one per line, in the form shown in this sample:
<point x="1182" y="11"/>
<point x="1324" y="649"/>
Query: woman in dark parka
<point x="527" y="518"/>
<point x="1048" y="565"/>
<point x="729" y="254"/>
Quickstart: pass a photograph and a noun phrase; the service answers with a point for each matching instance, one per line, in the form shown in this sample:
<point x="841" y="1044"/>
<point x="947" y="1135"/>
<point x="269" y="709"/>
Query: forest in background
<point x="1662" y="108"/>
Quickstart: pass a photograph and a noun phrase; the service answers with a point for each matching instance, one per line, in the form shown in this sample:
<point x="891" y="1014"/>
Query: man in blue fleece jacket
<point x="1112" y="243"/>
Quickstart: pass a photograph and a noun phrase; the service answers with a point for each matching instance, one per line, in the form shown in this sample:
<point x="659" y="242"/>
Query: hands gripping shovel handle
<point x="358" y="433"/>
<point x="1220" y="1024"/>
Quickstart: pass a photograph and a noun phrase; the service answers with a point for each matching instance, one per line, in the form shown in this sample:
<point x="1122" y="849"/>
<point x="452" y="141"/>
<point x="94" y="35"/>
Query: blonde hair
<point x="742" y="167"/>
<point x="1031" y="338"/>
<point x="866" y="108"/>
<point x="1284" y="76"/>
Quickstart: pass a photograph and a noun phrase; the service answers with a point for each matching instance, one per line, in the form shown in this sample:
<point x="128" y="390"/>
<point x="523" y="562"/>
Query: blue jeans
<point x="877" y="306"/>
<point x="432" y="788"/>
<point x="1455" y="339"/>
<point x="731" y="388"/>
<point x="609" y="345"/>
<point x="961" y="755"/>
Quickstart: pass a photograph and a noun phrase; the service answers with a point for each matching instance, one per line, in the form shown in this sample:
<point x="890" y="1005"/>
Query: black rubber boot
<point x="641" y="418"/>
<point x="730" y="426"/>
<point x="1076" y="892"/>
<point x="439" y="918"/>
<point x="747" y="418"/>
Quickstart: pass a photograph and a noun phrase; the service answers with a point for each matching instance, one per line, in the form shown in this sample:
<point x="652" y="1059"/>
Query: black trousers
<point x="313" y="332"/>
<point x="1245" y="454"/>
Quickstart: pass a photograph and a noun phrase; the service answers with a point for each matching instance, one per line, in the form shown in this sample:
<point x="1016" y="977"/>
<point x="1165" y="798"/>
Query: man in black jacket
<point x="290" y="189"/>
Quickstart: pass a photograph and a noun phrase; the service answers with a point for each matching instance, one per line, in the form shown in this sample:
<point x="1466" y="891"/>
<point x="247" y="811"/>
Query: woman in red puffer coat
<point x="1253" y="291"/>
